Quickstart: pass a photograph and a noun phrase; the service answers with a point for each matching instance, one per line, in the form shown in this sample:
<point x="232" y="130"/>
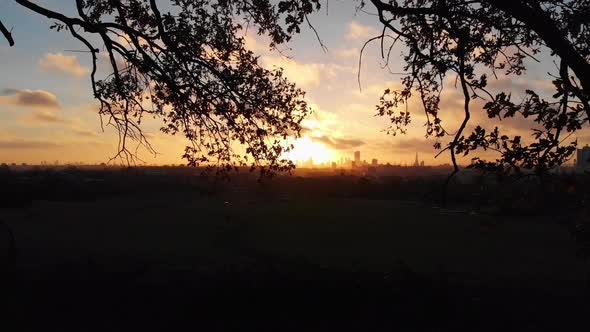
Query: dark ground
<point x="241" y="261"/>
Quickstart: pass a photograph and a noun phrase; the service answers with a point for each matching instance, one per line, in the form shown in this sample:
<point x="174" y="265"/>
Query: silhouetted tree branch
<point x="474" y="40"/>
<point x="6" y="34"/>
<point x="189" y="67"/>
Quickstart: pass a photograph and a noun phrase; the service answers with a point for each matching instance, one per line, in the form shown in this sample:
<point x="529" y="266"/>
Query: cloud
<point x="367" y="109"/>
<point x="338" y="143"/>
<point x="518" y="85"/>
<point x="407" y="146"/>
<point x="39" y="99"/>
<point x="347" y="53"/>
<point x="373" y="92"/>
<point x="62" y="64"/>
<point x="319" y="120"/>
<point x="43" y="106"/>
<point x="84" y="132"/>
<point x="357" y="31"/>
<point x="413" y="145"/>
<point x="304" y="74"/>
<point x="44" y="117"/>
<point x="27" y="144"/>
<point x="257" y="43"/>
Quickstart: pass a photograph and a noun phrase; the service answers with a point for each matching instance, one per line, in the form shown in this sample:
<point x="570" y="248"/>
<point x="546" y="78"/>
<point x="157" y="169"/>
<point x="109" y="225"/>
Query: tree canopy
<point x="188" y="66"/>
<point x="475" y="42"/>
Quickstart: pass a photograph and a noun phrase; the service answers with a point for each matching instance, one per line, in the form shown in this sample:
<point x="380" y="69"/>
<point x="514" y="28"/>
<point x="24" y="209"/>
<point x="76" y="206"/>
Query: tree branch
<point x="538" y="20"/>
<point x="6" y="34"/>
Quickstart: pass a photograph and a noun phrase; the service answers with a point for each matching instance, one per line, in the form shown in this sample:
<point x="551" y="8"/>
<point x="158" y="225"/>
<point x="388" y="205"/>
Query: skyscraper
<point x="357" y="158"/>
<point x="416" y="163"/>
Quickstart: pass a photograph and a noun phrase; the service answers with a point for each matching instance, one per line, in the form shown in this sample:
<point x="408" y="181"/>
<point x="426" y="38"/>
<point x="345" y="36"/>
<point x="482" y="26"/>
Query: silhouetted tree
<point x="192" y="65"/>
<point x="188" y="66"/>
<point x="476" y="41"/>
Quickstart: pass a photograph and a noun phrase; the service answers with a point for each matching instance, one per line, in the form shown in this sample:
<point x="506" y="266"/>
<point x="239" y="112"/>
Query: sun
<point x="305" y="148"/>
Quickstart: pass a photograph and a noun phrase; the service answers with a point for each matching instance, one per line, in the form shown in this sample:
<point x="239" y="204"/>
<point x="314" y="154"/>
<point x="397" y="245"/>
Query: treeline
<point x="485" y="193"/>
<point x="19" y="189"/>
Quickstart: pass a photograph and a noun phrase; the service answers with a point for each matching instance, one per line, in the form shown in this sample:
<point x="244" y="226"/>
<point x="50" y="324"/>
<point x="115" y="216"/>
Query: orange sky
<point x="47" y="113"/>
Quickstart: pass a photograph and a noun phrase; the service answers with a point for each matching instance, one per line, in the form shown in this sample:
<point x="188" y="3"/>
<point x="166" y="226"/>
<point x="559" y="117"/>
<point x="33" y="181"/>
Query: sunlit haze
<point x="305" y="149"/>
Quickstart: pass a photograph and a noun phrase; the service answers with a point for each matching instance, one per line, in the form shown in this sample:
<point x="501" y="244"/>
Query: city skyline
<point x="358" y="162"/>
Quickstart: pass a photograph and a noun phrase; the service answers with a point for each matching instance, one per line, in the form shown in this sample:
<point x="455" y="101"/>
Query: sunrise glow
<point x="305" y="148"/>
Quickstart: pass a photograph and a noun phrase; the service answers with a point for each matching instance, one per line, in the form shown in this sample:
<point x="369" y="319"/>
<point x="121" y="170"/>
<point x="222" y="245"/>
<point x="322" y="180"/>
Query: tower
<point x="357" y="158"/>
<point x="416" y="163"/>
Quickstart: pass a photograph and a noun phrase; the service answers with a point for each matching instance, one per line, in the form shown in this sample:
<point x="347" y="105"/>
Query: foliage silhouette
<point x="189" y="67"/>
<point x="476" y="41"/>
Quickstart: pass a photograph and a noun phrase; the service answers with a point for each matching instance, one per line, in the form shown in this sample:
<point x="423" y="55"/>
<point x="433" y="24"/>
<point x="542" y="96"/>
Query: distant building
<point x="374" y="162"/>
<point x="334" y="165"/>
<point x="583" y="158"/>
<point x="416" y="163"/>
<point x="347" y="163"/>
<point x="357" y="158"/>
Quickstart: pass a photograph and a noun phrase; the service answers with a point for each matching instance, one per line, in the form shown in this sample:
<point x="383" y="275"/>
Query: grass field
<point x="368" y="235"/>
<point x="172" y="262"/>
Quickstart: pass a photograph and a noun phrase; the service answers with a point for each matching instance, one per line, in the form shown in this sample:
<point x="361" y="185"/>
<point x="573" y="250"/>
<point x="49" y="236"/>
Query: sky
<point x="47" y="112"/>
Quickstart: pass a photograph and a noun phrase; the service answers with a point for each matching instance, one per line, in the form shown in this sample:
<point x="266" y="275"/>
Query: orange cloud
<point x="337" y="143"/>
<point x="304" y="74"/>
<point x="84" y="132"/>
<point x="62" y="64"/>
<point x="44" y="117"/>
<point x="27" y="144"/>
